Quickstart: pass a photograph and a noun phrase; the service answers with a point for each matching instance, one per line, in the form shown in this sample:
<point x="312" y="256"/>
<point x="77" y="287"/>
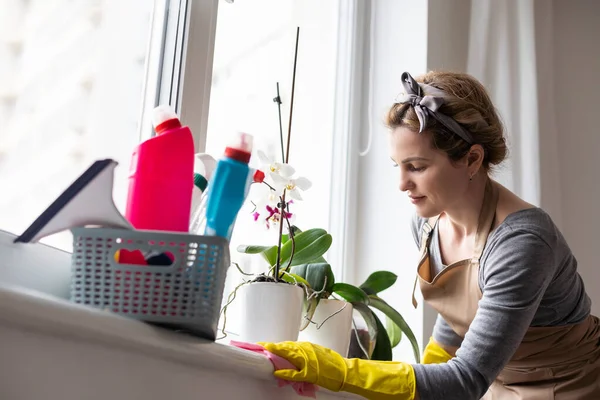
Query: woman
<point x="514" y="319"/>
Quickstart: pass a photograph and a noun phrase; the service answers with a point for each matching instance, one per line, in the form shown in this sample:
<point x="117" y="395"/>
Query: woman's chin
<point x="424" y="211"/>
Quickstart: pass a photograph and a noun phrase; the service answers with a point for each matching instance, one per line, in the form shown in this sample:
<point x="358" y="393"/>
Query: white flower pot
<point x="272" y="312"/>
<point x="331" y="331"/>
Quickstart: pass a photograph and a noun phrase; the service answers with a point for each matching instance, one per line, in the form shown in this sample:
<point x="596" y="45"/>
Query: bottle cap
<point x="200" y="182"/>
<point x="164" y="119"/>
<point x="240" y="148"/>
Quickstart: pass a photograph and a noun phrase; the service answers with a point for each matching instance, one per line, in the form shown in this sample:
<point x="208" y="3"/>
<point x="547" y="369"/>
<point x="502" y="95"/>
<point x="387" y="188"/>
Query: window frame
<point x="348" y="123"/>
<point x="180" y="61"/>
<point x="192" y="93"/>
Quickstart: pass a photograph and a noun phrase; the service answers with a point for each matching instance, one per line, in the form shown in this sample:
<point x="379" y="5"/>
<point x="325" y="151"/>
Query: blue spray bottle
<point x="229" y="187"/>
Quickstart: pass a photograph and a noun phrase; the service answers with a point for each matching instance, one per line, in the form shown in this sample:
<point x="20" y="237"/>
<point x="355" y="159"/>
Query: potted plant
<point x="273" y="301"/>
<point x="329" y="304"/>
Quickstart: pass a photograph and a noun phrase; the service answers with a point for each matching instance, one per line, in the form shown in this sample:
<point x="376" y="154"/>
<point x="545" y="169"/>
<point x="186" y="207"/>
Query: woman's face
<point x="432" y="182"/>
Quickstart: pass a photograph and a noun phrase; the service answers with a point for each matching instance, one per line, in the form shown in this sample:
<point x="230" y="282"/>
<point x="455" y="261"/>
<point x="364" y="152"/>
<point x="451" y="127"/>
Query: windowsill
<point x="31" y="312"/>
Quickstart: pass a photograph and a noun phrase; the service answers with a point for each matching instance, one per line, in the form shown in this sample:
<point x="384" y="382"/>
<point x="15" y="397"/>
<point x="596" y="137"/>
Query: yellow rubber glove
<point x="376" y="380"/>
<point x="435" y="354"/>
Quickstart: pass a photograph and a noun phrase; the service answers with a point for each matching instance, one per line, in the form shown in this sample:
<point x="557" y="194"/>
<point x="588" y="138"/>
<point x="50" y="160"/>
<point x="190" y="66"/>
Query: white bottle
<point x="204" y="166"/>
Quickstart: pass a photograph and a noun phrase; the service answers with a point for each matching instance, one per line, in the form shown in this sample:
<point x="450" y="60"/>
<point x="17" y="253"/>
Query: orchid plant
<point x="299" y="256"/>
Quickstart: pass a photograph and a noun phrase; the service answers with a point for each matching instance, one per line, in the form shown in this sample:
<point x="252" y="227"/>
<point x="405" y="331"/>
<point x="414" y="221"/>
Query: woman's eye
<point x="412" y="168"/>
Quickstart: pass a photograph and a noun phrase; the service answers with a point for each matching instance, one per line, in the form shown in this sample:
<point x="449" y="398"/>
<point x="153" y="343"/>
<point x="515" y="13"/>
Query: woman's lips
<point x="416" y="199"/>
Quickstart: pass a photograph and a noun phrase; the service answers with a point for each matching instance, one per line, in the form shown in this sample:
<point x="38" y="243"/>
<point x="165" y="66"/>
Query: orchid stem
<point x="278" y="263"/>
<point x="287" y="154"/>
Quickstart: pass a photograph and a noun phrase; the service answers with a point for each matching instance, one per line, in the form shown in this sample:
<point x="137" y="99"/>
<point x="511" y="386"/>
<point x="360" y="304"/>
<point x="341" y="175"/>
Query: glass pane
<point x="72" y="80"/>
<point x="254" y="50"/>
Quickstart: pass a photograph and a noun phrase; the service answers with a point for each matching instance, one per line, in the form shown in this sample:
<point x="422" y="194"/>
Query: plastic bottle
<point x="229" y="187"/>
<point x="205" y="165"/>
<point x="200" y="183"/>
<point x="161" y="176"/>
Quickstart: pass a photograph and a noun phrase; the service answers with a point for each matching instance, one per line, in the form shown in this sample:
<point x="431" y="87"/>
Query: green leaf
<point x="393" y="332"/>
<point x="293" y="278"/>
<point x="350" y="293"/>
<point x="251" y="249"/>
<point x="269" y="253"/>
<point x="308" y="247"/>
<point x="383" y="347"/>
<point x="318" y="275"/>
<point x="378" y="281"/>
<point x="395" y="316"/>
<point x="301" y="240"/>
<point x="369" y="318"/>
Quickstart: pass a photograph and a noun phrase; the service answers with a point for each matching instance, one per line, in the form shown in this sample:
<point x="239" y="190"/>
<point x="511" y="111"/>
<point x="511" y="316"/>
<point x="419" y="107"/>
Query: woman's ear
<point x="475" y="158"/>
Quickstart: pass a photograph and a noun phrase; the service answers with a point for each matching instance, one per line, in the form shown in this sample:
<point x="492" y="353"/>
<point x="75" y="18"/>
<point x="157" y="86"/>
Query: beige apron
<point x="556" y="362"/>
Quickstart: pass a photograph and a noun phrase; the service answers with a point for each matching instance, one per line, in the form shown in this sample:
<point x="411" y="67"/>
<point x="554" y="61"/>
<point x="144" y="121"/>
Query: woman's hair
<point x="468" y="103"/>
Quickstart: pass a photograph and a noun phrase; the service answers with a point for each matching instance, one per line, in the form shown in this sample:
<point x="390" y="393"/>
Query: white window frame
<point x="184" y="81"/>
<point x="348" y="122"/>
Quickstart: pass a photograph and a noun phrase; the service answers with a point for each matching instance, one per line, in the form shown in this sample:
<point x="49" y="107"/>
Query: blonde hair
<point x="468" y="103"/>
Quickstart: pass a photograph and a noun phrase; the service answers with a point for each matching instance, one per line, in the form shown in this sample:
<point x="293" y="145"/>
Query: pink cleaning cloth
<point x="302" y="388"/>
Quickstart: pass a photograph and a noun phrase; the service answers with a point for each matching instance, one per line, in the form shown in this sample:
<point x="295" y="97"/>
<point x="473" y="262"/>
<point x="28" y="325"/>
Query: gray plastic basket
<point x="186" y="295"/>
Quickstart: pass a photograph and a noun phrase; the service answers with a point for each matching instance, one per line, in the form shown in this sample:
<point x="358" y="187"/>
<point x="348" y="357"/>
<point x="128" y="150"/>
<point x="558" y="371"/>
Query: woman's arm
<point x="445" y="336"/>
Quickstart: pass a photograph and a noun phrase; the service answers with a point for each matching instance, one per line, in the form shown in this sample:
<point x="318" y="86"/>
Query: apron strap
<point x="426" y="235"/>
<point x="486" y="219"/>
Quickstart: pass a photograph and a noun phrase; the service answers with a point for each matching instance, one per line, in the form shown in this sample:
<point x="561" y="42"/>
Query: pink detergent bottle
<point x="161" y="176"/>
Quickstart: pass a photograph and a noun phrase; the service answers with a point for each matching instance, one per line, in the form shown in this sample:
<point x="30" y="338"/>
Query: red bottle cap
<point x="241" y="148"/>
<point x="164" y="119"/>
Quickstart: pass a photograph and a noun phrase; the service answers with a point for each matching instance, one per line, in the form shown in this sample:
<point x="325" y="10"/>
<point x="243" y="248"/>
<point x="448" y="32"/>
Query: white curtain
<point x="510" y="52"/>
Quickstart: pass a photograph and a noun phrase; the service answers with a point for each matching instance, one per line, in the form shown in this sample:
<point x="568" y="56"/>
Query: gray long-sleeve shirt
<point x="528" y="277"/>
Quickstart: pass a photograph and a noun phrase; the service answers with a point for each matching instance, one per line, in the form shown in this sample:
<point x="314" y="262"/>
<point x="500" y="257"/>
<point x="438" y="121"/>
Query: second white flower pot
<point x="272" y="312"/>
<point x="332" y="326"/>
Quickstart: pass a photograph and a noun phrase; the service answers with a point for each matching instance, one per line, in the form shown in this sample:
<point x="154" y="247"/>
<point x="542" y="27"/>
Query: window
<point x="71" y="84"/>
<point x="77" y="80"/>
<point x="254" y="50"/>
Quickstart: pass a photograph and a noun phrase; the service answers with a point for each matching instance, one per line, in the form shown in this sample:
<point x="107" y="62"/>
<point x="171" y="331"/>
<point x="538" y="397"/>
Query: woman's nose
<point x="405" y="182"/>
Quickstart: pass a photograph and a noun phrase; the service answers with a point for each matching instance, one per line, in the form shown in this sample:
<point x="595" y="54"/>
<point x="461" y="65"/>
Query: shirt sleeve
<point x="444" y="334"/>
<point x="517" y="269"/>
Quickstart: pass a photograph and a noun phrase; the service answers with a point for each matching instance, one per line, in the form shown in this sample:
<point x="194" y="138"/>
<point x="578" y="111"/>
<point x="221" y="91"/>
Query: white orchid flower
<point x="266" y="211"/>
<point x="291" y="186"/>
<point x="262" y="195"/>
<point x="275" y="168"/>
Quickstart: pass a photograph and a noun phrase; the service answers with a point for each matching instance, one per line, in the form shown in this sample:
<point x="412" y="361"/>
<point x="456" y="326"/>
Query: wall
<point x="448" y="19"/>
<point x="576" y="84"/>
